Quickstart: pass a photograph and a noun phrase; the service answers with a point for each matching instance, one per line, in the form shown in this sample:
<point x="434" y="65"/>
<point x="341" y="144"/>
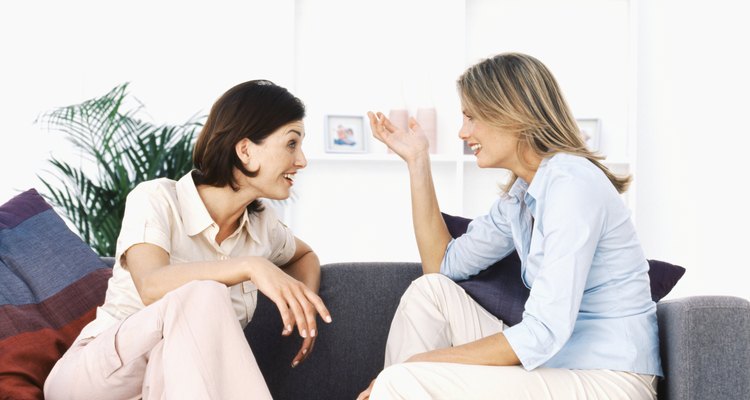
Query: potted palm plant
<point x="124" y="150"/>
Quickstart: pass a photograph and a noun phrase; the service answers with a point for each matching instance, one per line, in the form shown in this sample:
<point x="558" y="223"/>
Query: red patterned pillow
<point x="50" y="285"/>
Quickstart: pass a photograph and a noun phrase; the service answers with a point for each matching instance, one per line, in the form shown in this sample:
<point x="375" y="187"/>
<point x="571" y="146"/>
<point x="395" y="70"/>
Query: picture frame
<point x="345" y="134"/>
<point x="590" y="129"/>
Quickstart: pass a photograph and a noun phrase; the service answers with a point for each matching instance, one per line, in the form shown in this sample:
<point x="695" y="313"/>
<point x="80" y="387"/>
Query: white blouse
<point x="170" y="214"/>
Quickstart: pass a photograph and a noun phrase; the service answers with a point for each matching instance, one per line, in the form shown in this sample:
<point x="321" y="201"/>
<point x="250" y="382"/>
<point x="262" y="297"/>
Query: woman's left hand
<point x="410" y="145"/>
<point x="305" y="267"/>
<point x="307" y="346"/>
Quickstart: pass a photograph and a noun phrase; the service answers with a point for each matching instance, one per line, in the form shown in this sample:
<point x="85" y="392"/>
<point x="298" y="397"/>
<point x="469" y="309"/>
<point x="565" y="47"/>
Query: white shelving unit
<point x="474" y="188"/>
<point x="354" y="207"/>
<point x="358" y="157"/>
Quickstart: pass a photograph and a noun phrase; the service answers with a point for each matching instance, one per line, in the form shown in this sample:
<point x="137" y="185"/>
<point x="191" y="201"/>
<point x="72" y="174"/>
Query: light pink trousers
<point x="188" y="345"/>
<point x="437" y="313"/>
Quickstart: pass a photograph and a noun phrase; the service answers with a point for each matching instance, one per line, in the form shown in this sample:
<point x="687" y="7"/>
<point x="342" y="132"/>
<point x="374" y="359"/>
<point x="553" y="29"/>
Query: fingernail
<point x="328" y="318"/>
<point x="312" y="332"/>
<point x="294" y="364"/>
<point x="304" y="333"/>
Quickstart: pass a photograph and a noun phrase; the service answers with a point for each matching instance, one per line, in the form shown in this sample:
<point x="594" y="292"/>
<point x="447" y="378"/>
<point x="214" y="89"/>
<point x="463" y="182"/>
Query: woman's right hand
<point x="410" y="145"/>
<point x="297" y="304"/>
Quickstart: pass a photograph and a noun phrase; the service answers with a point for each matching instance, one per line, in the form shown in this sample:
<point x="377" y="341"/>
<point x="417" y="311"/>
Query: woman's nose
<point x="463" y="133"/>
<point x="301" y="161"/>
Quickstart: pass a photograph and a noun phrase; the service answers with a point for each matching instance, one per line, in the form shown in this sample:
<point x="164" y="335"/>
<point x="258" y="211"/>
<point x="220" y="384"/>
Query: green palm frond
<point x="125" y="151"/>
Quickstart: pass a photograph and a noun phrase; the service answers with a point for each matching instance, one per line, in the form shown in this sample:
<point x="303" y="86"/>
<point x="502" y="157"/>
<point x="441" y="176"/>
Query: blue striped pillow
<point x="50" y="284"/>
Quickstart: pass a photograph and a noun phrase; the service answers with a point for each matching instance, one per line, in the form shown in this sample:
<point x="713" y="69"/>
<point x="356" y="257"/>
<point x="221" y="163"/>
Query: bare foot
<point x="366" y="393"/>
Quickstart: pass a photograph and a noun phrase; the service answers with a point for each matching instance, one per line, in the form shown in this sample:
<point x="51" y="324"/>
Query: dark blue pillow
<point x="500" y="291"/>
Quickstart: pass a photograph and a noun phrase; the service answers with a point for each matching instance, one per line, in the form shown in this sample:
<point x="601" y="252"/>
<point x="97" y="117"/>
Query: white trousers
<point x="188" y="345"/>
<point x="435" y="313"/>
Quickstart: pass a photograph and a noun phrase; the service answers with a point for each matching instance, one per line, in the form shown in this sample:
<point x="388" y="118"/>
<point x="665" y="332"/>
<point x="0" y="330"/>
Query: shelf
<point x="616" y="164"/>
<point x="372" y="157"/>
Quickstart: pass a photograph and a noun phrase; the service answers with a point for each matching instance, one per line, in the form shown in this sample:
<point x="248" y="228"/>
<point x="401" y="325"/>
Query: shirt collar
<point x="194" y="214"/>
<point x="538" y="183"/>
<point x="518" y="190"/>
<point x="531" y="192"/>
<point x="252" y="229"/>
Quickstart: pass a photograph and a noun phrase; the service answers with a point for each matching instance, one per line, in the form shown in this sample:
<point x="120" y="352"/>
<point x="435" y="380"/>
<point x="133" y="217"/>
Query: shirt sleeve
<point x="570" y="218"/>
<point x="282" y="241"/>
<point x="146" y="219"/>
<point x="487" y="240"/>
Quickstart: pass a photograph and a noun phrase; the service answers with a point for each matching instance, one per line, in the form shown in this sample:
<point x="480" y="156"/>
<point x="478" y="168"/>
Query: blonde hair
<point x="518" y="94"/>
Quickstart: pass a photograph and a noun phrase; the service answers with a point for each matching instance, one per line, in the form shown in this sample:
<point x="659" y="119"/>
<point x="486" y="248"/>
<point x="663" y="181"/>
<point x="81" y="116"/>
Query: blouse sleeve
<point x="146" y="219"/>
<point x="487" y="240"/>
<point x="570" y="219"/>
<point x="282" y="241"/>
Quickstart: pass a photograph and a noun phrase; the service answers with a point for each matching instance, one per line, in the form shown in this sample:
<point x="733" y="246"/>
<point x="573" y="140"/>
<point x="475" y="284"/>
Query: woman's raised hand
<point x="410" y="145"/>
<point x="297" y="304"/>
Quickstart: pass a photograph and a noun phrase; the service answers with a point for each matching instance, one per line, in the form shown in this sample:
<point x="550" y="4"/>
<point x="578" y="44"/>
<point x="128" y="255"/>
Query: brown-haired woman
<point x="190" y="258"/>
<point x="589" y="326"/>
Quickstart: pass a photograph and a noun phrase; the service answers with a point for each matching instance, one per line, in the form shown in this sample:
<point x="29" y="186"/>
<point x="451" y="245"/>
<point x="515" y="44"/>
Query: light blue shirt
<point x="590" y="303"/>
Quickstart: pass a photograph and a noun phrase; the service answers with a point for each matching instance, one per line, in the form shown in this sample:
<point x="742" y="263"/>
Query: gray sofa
<point x="705" y="340"/>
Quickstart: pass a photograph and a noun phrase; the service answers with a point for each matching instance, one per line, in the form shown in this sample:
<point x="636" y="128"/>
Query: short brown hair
<point x="251" y="110"/>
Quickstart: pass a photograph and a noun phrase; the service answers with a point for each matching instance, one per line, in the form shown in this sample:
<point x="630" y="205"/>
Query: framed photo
<point x="345" y="134"/>
<point x="590" y="130"/>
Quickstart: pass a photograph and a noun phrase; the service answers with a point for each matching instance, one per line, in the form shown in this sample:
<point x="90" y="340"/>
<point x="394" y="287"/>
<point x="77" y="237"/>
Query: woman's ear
<point x="243" y="148"/>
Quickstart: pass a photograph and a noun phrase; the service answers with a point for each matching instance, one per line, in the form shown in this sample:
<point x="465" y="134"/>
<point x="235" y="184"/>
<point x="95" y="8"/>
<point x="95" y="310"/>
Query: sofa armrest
<point x="349" y="352"/>
<point x="705" y="348"/>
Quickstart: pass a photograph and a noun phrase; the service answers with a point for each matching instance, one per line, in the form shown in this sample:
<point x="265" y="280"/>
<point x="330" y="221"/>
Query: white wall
<point x="179" y="56"/>
<point x="411" y="53"/>
<point x="351" y="59"/>
<point x="693" y="140"/>
<point x="351" y="56"/>
<point x="585" y="43"/>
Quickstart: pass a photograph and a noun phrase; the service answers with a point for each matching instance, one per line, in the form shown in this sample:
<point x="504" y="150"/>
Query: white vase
<point x="427" y="119"/>
<point x="400" y="118"/>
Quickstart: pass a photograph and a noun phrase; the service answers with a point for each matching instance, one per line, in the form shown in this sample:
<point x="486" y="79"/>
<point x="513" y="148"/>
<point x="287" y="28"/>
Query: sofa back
<point x="349" y="352"/>
<point x="705" y="340"/>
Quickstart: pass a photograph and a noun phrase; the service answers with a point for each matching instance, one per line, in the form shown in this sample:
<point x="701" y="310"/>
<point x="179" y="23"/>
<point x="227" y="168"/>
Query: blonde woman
<point x="191" y="257"/>
<point x="589" y="327"/>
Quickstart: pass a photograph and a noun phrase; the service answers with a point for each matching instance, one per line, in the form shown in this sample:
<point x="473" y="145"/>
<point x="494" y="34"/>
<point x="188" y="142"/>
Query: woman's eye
<point x="292" y="144"/>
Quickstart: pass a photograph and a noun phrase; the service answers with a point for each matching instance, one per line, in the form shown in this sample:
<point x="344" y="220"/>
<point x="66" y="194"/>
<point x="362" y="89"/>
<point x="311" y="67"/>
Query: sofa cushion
<point x="500" y="290"/>
<point x="50" y="285"/>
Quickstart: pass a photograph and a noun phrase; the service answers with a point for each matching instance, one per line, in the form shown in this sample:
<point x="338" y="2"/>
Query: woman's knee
<point x="397" y="382"/>
<point x="203" y="289"/>
<point x="200" y="295"/>
<point x="427" y="285"/>
<point x="204" y="302"/>
<point x="432" y="280"/>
